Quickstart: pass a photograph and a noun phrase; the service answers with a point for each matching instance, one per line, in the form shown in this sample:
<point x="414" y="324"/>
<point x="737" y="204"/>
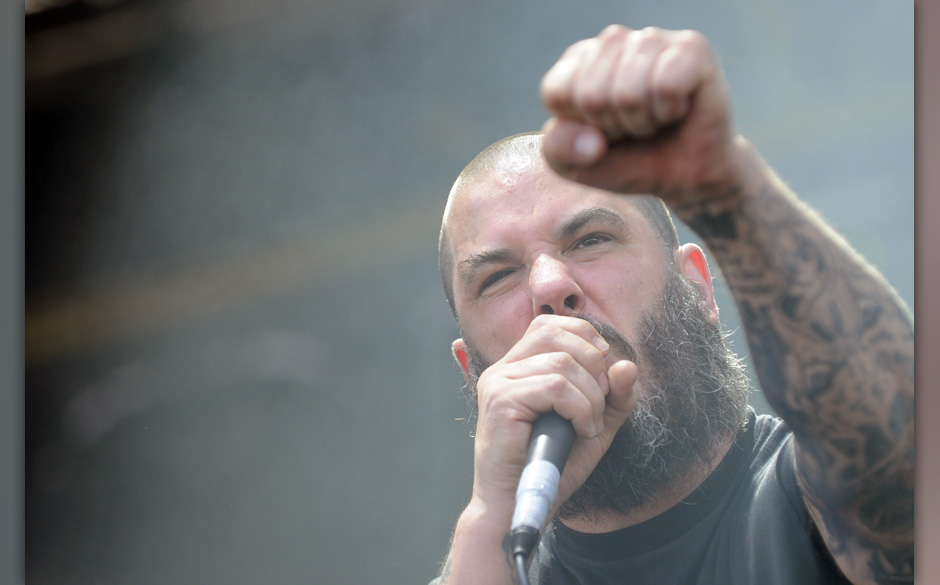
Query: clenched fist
<point x="641" y="111"/>
<point x="562" y="364"/>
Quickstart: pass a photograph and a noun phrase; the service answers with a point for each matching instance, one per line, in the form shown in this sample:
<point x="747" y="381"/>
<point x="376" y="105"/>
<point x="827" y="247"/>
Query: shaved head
<point x="510" y="157"/>
<point x="511" y="154"/>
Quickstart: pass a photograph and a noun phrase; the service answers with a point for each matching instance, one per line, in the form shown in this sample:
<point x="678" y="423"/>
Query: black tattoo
<point x="833" y="348"/>
<point x="720" y="226"/>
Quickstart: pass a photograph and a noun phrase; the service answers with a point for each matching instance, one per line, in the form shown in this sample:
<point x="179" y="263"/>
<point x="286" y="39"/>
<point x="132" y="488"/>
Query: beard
<point x="694" y="395"/>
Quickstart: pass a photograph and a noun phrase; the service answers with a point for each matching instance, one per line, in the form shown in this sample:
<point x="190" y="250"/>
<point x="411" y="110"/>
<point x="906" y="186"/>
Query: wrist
<point x="477" y="553"/>
<point x="487" y="519"/>
<point x="743" y="175"/>
<point x="747" y="170"/>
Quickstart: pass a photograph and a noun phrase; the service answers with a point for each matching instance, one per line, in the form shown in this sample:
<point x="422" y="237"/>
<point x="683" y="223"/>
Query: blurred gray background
<point x="237" y="360"/>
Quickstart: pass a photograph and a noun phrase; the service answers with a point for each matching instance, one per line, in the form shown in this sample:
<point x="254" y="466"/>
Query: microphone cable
<point x="520" y="566"/>
<point x="524" y="540"/>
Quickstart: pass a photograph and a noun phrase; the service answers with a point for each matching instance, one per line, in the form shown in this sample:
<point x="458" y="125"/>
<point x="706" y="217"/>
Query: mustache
<point x="618" y="343"/>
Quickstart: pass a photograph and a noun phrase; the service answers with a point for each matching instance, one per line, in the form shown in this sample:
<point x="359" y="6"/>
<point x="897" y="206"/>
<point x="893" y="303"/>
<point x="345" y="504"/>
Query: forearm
<point x="833" y="347"/>
<point x="825" y="330"/>
<point x="478" y="553"/>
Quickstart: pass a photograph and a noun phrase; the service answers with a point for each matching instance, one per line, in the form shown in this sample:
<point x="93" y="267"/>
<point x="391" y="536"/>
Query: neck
<point x="612" y="521"/>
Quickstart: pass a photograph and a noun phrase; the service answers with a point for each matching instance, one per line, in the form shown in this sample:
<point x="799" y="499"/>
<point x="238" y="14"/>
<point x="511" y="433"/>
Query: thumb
<point x="570" y="145"/>
<point x="621" y="399"/>
<point x="584" y="154"/>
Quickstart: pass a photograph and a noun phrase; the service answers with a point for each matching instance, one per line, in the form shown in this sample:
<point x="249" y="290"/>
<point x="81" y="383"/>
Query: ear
<point x="459" y="349"/>
<point x="691" y="262"/>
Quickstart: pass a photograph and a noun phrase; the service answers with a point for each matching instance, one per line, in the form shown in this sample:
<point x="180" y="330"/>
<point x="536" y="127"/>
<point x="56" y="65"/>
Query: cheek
<point x="496" y="325"/>
<point x="621" y="296"/>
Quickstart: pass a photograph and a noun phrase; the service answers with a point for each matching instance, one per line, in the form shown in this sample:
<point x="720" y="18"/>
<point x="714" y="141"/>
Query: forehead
<point x="524" y="201"/>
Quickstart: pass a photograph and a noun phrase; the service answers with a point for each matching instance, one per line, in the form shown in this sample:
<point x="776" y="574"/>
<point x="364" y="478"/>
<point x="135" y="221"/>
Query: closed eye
<point x="494" y="278"/>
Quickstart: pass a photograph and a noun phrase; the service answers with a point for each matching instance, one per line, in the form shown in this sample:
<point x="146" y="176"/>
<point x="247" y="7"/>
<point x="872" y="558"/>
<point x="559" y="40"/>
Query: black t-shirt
<point x="746" y="524"/>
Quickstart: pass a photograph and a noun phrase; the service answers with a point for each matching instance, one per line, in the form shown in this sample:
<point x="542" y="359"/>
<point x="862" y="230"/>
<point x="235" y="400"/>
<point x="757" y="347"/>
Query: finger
<point x="620" y="403"/>
<point x="593" y="92"/>
<point x="592" y="386"/>
<point x="569" y="145"/>
<point x="621" y="399"/>
<point x="525" y="397"/>
<point x="546" y="326"/>
<point x="582" y="154"/>
<point x="678" y="73"/>
<point x="582" y="344"/>
<point x="578" y="400"/>
<point x="557" y="85"/>
<point x="631" y="85"/>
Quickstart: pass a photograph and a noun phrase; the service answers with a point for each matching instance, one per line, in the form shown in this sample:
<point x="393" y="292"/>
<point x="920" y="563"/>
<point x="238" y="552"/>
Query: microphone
<point x="549" y="446"/>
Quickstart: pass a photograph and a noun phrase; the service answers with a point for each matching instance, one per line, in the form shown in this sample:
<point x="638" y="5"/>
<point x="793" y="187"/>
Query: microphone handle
<point x="552" y="437"/>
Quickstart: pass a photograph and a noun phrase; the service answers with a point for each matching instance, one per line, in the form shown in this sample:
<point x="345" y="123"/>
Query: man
<point x="573" y="295"/>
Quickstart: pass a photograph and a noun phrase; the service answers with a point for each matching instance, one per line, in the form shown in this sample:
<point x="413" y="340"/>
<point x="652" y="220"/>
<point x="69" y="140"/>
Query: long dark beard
<point x="694" y="395"/>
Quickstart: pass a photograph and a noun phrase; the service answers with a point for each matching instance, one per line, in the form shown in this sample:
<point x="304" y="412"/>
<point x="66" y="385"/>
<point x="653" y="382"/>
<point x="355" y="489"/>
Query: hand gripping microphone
<point x="549" y="446"/>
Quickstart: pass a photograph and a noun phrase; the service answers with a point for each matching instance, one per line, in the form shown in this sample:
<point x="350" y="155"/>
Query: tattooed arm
<point x="832" y="343"/>
<point x="833" y="347"/>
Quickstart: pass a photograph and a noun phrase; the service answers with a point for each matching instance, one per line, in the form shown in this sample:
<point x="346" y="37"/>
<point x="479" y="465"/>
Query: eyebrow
<point x="470" y="268"/>
<point x="586" y="216"/>
<point x="467" y="270"/>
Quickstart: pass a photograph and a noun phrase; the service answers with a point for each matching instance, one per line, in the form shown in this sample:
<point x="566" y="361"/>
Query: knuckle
<point x="613" y="39"/>
<point x="582" y="326"/>
<point x="552" y="92"/>
<point x="650" y="45"/>
<point x="484" y="382"/>
<point x="488" y="401"/>
<point x="613" y="30"/>
<point x="581" y="48"/>
<point x="584" y="329"/>
<point x="555" y="383"/>
<point x="539" y="321"/>
<point x="650" y="35"/>
<point x="572" y="51"/>
<point x="692" y="40"/>
<point x="560" y="361"/>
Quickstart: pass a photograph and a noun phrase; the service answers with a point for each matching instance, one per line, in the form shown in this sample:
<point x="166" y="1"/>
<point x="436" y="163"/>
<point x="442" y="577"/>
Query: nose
<point x="553" y="289"/>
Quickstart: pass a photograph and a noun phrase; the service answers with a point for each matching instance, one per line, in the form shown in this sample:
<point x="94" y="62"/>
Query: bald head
<point x="512" y="157"/>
